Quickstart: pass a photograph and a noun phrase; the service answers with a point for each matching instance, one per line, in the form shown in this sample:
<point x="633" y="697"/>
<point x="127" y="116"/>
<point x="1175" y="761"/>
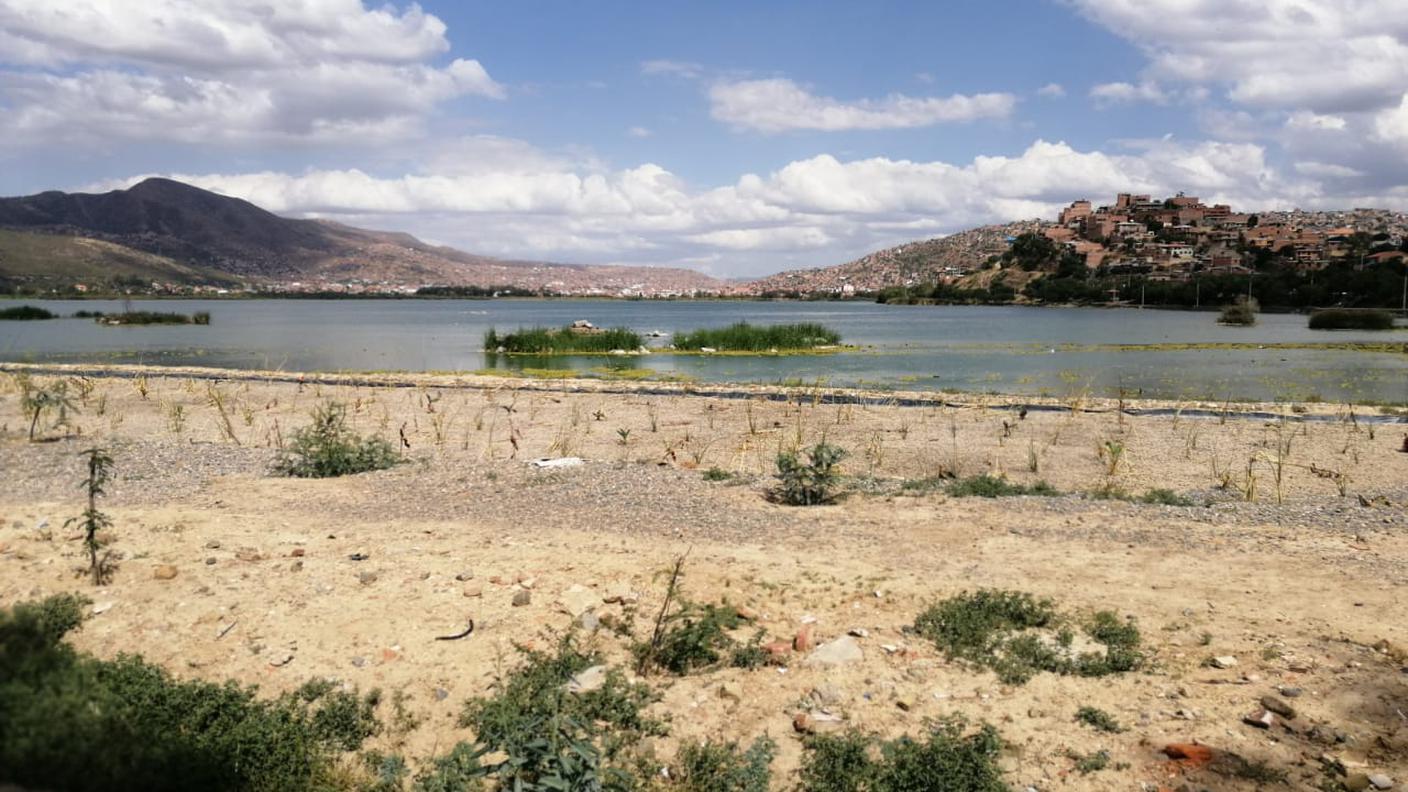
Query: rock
<point x="1380" y="781"/>
<point x="1356" y="782"/>
<point x="777" y="652"/>
<point x="904" y="703"/>
<point x="102" y="607"/>
<point x="1261" y="719"/>
<point x="731" y="691"/>
<point x="213" y="544"/>
<point x="1289" y="692"/>
<point x="746" y="613"/>
<point x="526" y="581"/>
<point x="1224" y="661"/>
<point x="522" y="597"/>
<point x="465" y="575"/>
<point x="298" y="552"/>
<point x="441" y="694"/>
<point x="576" y="600"/>
<point x="826" y="695"/>
<point x="803" y="642"/>
<point x="1189" y="753"/>
<point x="1273" y="704"/>
<point x="359" y="661"/>
<point x="366" y="578"/>
<point x="619" y="594"/>
<point x="296" y="566"/>
<point x="816" y="722"/>
<point x="164" y="572"/>
<point x="211" y="561"/>
<point x="589" y="621"/>
<point x="474" y="590"/>
<point x="587" y="680"/>
<point x="842" y="651"/>
<point x="359" y="556"/>
<point x="281" y="660"/>
<point x="248" y="554"/>
<point x="859" y="632"/>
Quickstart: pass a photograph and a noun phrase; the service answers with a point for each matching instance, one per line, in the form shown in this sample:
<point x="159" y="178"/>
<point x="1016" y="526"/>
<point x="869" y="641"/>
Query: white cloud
<point x="1327" y="56"/>
<point x="674" y="68"/>
<point x="1052" y="90"/>
<point x="205" y="70"/>
<point x="811" y="212"/>
<point x="779" y="104"/>
<point x="639" y="132"/>
<point x="1391" y="125"/>
<point x="1123" y="92"/>
<point x="1304" y="119"/>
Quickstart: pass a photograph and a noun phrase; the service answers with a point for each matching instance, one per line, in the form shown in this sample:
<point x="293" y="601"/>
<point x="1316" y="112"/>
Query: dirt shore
<point x="1286" y="547"/>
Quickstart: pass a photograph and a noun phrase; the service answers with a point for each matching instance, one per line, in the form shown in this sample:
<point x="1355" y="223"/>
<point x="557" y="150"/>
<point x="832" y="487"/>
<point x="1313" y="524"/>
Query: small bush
<point x="25" y="313"/>
<point x="561" y="341"/>
<point x="1098" y="719"/>
<point x="1351" y="319"/>
<point x="69" y="721"/>
<point x="948" y="759"/>
<point x="694" y="637"/>
<point x="1241" y="312"/>
<point x="993" y="487"/>
<point x="812" y="482"/>
<point x="717" y="474"/>
<point x="721" y="767"/>
<point x="1018" y="636"/>
<point x="327" y="448"/>
<point x="744" y="337"/>
<point x="1090" y="763"/>
<point x="36" y="401"/>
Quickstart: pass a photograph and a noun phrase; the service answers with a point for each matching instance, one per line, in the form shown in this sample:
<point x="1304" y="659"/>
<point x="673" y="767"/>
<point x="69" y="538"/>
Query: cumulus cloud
<point x="1123" y="92"/>
<point x="779" y="104"/>
<point x="811" y="212"/>
<point x="206" y="70"/>
<point x="1327" y="56"/>
<point x="1052" y="90"/>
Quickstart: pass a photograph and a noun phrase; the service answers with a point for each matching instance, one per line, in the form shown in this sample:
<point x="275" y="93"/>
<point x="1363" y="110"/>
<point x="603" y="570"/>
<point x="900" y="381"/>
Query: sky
<point x="735" y="137"/>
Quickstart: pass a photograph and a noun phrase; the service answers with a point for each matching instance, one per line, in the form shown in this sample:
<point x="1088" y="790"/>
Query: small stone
<point x="1224" y="661"/>
<point x="1290" y="692"/>
<point x="465" y="575"/>
<point x="474" y="590"/>
<point x="589" y="621"/>
<point x="359" y="556"/>
<point x="297" y="552"/>
<point x="746" y="613"/>
<point x="1380" y="781"/>
<point x="576" y="600"/>
<point x="281" y="660"/>
<point x="1273" y="704"/>
<point x="213" y="544"/>
<point x="296" y="566"/>
<point x="522" y="597"/>
<point x="211" y="561"/>
<point x="826" y="695"/>
<point x="841" y="651"/>
<point x="366" y="578"/>
<point x="778" y="652"/>
<point x="248" y="554"/>
<point x="1356" y="782"/>
<point x="359" y="661"/>
<point x="803" y="642"/>
<point x="859" y="632"/>
<point x="587" y="680"/>
<point x="904" y="704"/>
<point x="808" y="619"/>
<point x="1261" y="719"/>
<point x="102" y="607"/>
<point x="527" y="582"/>
<point x="731" y="691"/>
<point x="441" y="694"/>
<point x="164" y="572"/>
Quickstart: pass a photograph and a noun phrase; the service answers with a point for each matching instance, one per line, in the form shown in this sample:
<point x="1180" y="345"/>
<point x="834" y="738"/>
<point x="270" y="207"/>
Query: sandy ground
<point x="1305" y="586"/>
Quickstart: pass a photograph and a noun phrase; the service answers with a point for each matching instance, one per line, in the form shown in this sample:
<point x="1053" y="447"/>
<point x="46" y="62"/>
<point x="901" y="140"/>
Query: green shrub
<point x="744" y="337"/>
<point x="38" y="400"/>
<point x="721" y="767"/>
<point x="26" y="313"/>
<point x="812" y="482"/>
<point x="1000" y="630"/>
<point x="69" y="721"/>
<point x="948" y="760"/>
<point x="1098" y="719"/>
<point x="1351" y="319"/>
<point x="562" y="341"/>
<point x="986" y="486"/>
<point x="694" y="637"/>
<point x="717" y="474"/>
<point x="1090" y="763"/>
<point x="327" y="448"/>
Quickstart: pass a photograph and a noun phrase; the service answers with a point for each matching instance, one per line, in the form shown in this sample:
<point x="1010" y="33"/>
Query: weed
<point x="947" y="759"/>
<point x="744" y="337"/>
<point x="328" y="448"/>
<point x="1098" y="719"/>
<point x="721" y="767"/>
<point x="1111" y="453"/>
<point x="1017" y="636"/>
<point x="812" y="482"/>
<point x="694" y="637"/>
<point x="93" y="521"/>
<point x="1090" y="763"/>
<point x="717" y="474"/>
<point x="993" y="487"/>
<point x="551" y="341"/>
<point x="36" y="401"/>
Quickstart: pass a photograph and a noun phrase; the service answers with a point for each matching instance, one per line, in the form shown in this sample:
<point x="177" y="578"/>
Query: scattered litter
<point x="556" y="462"/>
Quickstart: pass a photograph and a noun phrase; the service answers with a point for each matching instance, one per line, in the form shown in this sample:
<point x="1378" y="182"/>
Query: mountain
<point x="192" y="235"/>
<point x="913" y="262"/>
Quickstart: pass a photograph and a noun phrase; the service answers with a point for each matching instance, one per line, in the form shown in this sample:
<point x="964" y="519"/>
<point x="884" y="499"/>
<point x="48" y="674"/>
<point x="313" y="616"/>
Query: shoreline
<point x="817" y="394"/>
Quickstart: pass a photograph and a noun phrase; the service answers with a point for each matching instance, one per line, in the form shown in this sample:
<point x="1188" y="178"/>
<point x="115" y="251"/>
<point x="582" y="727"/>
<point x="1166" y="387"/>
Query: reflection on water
<point x="1057" y="351"/>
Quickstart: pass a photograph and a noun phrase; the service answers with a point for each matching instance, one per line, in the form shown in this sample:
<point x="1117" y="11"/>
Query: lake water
<point x="1057" y="351"/>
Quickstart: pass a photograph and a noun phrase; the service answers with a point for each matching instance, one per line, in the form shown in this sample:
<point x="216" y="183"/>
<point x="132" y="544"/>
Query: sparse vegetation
<point x="150" y="318"/>
<point x="26" y="313"/>
<point x="986" y="486"/>
<point x="722" y="767"/>
<point x="1018" y="636"/>
<point x="1351" y="319"/>
<point x="812" y="482"/>
<point x="36" y="401"/>
<point x="328" y="447"/>
<point x="562" y="341"/>
<point x="695" y="637"/>
<point x="949" y="759"/>
<point x="745" y="337"/>
<point x="92" y="521"/>
<point x="1098" y="719"/>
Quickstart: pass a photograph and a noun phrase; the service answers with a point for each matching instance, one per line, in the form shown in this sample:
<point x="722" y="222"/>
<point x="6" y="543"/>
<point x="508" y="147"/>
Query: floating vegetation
<point x="1351" y="319"/>
<point x="576" y="339"/>
<point x="146" y="318"/>
<point x="745" y="337"/>
<point x="21" y="313"/>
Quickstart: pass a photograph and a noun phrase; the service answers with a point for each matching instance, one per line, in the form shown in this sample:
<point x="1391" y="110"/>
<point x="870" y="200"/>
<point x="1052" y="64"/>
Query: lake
<point x="1001" y="349"/>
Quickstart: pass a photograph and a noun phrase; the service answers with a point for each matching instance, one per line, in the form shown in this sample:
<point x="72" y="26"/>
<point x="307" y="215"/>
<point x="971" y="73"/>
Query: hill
<point x="168" y="229"/>
<point x="903" y="265"/>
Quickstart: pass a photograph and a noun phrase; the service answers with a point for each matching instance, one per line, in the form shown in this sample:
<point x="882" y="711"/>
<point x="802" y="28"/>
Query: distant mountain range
<point x="168" y="231"/>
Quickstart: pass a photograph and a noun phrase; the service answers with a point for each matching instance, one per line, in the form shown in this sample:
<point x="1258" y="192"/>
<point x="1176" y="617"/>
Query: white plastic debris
<point x="556" y="462"/>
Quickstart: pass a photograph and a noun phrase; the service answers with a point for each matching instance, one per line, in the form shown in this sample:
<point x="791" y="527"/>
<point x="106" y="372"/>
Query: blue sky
<point x="739" y="138"/>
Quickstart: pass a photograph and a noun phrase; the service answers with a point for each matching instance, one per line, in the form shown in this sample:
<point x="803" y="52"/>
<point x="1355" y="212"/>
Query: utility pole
<point x="1197" y="293"/>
